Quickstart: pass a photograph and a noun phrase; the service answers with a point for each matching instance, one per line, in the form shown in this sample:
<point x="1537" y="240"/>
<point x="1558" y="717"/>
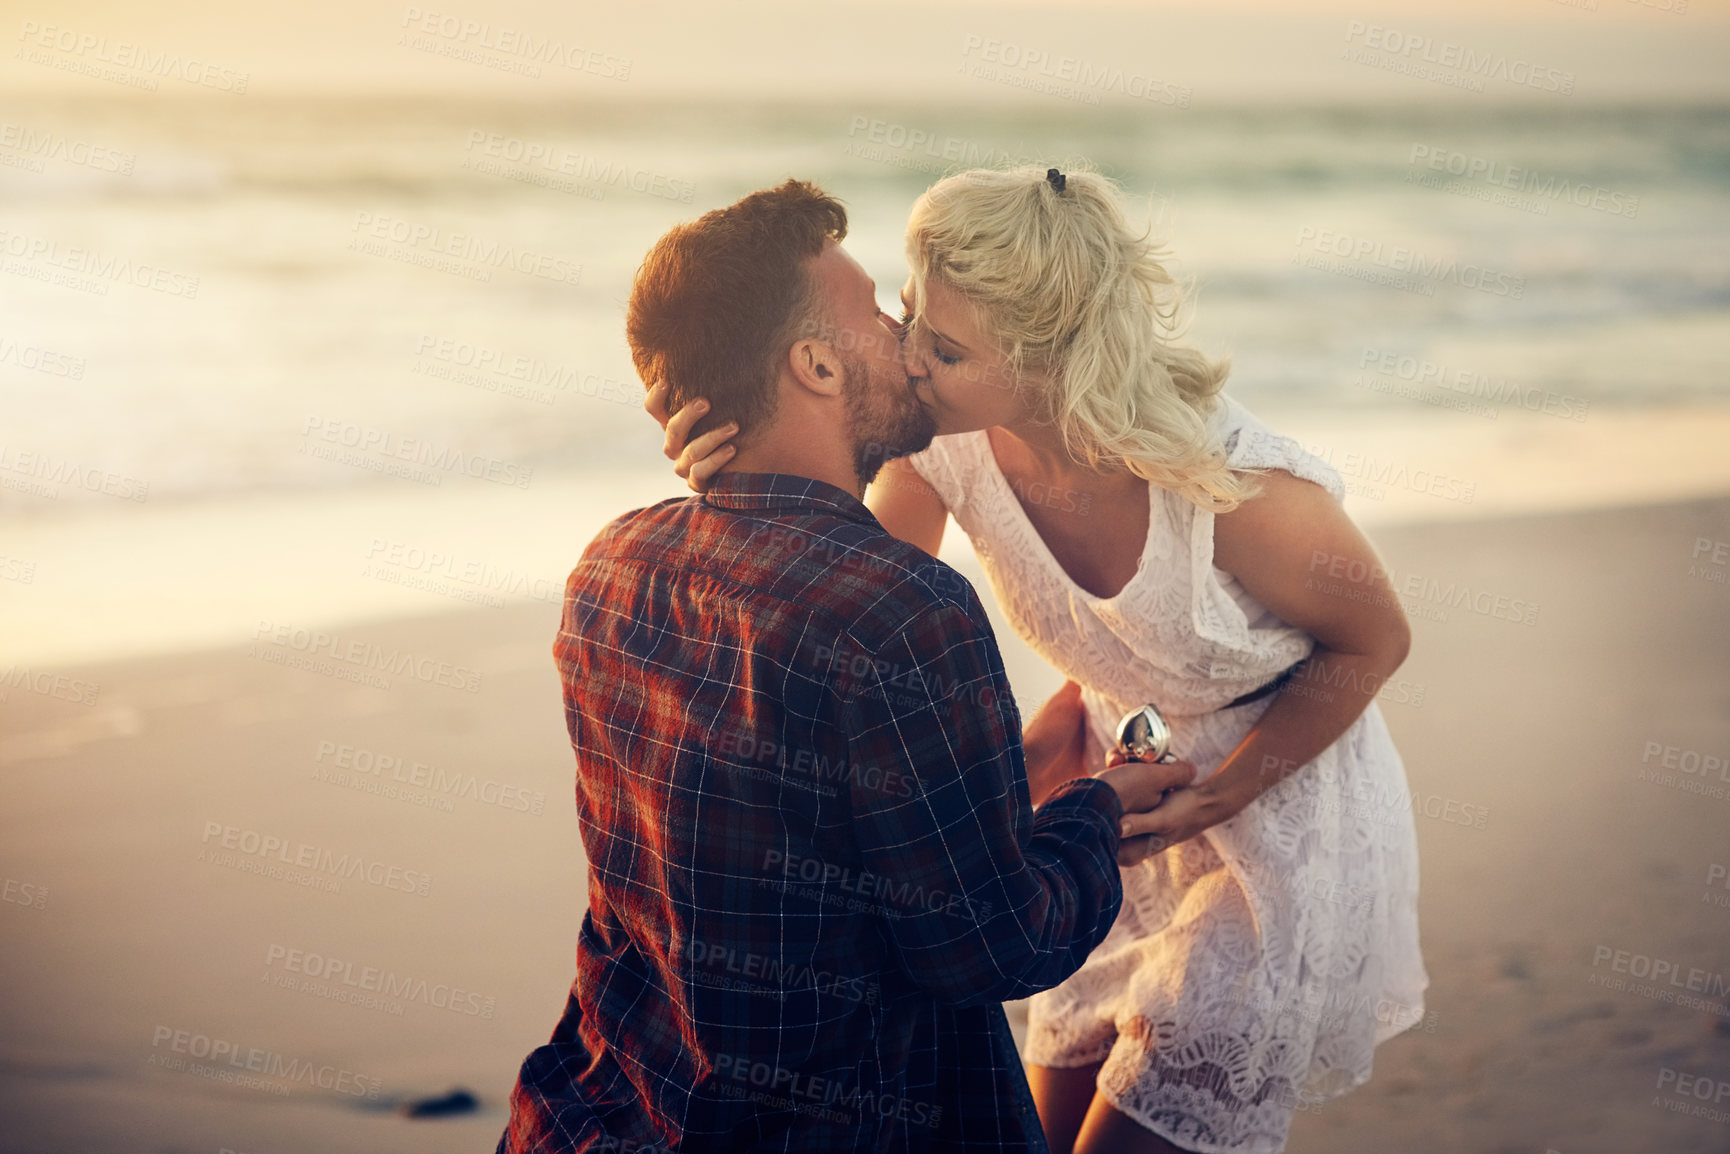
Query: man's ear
<point x="816" y="366"/>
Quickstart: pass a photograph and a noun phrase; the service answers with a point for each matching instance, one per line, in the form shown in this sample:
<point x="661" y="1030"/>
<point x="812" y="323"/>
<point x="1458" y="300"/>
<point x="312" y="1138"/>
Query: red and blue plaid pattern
<point x="814" y="872"/>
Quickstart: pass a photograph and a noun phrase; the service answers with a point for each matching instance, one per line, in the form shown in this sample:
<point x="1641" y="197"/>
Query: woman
<point x="1156" y="543"/>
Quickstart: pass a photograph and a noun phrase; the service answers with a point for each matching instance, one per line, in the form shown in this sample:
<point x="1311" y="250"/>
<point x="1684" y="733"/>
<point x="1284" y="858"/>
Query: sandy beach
<point x="315" y="381"/>
<point x="195" y="969"/>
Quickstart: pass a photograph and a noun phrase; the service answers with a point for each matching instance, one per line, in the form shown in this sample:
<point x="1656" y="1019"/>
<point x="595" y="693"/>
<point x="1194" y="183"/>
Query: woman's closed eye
<point x="907" y="321"/>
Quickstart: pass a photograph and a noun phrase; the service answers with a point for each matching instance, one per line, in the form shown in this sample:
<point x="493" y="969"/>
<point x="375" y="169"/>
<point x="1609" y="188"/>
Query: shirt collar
<point x="763" y="492"/>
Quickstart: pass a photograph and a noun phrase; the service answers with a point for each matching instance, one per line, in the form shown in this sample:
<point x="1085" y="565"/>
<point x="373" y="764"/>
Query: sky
<point x="1224" y="53"/>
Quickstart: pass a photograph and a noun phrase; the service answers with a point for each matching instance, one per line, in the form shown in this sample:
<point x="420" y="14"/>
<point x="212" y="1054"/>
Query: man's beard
<point x="882" y="423"/>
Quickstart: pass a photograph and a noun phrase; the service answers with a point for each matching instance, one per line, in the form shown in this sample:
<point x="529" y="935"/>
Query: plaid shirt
<point x="814" y="872"/>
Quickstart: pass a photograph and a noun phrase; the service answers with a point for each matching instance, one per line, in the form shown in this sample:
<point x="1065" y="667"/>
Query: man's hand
<point x="1055" y="743"/>
<point x="1184" y="814"/>
<point x="1142" y="788"/>
<point x="698" y="461"/>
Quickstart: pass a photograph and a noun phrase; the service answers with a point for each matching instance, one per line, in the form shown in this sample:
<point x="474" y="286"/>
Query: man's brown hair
<point x="719" y="301"/>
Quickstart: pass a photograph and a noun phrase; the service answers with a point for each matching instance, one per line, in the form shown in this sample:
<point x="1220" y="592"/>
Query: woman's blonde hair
<point x="1062" y="284"/>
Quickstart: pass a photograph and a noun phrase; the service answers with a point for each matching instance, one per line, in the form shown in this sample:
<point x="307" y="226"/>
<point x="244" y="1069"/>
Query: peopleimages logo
<point x="253" y="1060"/>
<point x="773" y="973"/>
<point x="582" y="167"/>
<point x="44" y="253"/>
<point x="46" y="473"/>
<point x="1361" y="250"/>
<point x="1470" y="383"/>
<point x="89" y="51"/>
<point x="247" y="849"/>
<point x="341" y="980"/>
<point x="1006" y="61"/>
<point x="1448" y="62"/>
<point x="899" y="898"/>
<point x="879" y="135"/>
<point x="41" y="360"/>
<point x="446" y="34"/>
<point x="1339" y="575"/>
<point x="417" y="458"/>
<point x="365" y="769"/>
<point x="44" y="144"/>
<point x="516" y="374"/>
<point x="1665" y="975"/>
<point x="1468" y="167"/>
<point x="364" y="656"/>
<point x="63" y="686"/>
<point x="374" y="232"/>
<point x="441" y="572"/>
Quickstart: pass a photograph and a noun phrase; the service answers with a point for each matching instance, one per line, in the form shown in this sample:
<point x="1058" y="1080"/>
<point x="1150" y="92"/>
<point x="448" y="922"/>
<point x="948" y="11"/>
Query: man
<point x="814" y="873"/>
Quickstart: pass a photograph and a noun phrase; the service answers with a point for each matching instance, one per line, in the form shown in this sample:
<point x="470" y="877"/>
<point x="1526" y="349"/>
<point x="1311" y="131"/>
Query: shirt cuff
<point x="1084" y="793"/>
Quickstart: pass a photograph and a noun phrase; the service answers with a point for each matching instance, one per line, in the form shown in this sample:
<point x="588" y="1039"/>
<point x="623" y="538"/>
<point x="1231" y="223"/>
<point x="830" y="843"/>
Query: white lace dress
<point x="1254" y="969"/>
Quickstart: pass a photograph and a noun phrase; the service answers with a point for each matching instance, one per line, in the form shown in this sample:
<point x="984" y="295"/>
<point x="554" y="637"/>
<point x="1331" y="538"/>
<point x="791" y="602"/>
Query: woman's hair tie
<point x="1057" y="180"/>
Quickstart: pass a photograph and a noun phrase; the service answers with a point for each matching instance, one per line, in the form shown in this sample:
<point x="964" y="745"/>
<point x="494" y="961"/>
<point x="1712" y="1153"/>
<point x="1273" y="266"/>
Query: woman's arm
<point x="1296" y="552"/>
<point x="908" y="507"/>
<point x="697" y="462"/>
<point x="899" y="497"/>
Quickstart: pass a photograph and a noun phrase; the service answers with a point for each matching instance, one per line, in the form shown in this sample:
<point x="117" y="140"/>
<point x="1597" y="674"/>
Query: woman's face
<point x="957" y="373"/>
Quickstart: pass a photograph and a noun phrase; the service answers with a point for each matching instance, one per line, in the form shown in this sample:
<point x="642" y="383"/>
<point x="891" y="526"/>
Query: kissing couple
<point x="823" y="849"/>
